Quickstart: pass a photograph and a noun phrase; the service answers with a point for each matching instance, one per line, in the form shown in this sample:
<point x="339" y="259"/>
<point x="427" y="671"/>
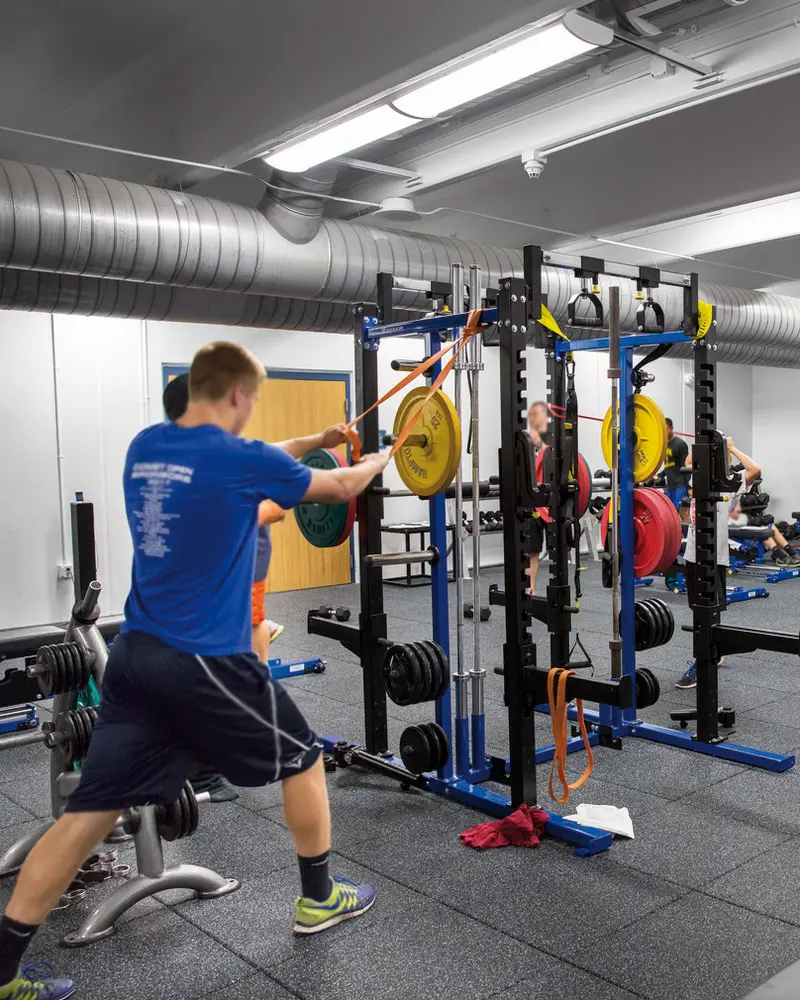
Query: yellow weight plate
<point x="428" y="468"/>
<point x="649" y="438"/>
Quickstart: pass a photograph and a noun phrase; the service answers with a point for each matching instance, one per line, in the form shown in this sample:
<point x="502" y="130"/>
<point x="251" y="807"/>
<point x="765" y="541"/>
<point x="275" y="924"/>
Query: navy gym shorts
<point x="163" y="712"/>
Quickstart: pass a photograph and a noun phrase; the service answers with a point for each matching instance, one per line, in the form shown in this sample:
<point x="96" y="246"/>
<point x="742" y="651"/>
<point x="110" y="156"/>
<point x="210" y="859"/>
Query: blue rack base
<point x="586" y="840"/>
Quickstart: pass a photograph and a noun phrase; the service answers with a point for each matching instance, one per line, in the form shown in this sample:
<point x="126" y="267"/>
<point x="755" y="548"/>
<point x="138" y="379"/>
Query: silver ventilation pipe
<point x="80" y="224"/>
<point x="39" y="291"/>
<point x="295" y="202"/>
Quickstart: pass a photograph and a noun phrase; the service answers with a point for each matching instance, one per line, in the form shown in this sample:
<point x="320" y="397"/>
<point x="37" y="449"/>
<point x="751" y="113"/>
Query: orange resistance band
<point x="472" y="328"/>
<point x="557" y="699"/>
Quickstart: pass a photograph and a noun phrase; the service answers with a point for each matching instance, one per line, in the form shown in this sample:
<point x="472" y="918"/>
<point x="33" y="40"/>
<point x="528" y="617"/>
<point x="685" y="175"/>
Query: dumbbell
<point x="326" y="611"/>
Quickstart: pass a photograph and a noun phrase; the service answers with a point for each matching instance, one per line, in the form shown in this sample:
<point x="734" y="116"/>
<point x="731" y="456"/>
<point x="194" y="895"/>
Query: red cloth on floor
<point x="524" y="828"/>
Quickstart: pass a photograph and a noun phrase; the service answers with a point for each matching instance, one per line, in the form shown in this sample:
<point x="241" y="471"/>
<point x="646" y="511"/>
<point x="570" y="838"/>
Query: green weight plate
<point x="325" y="525"/>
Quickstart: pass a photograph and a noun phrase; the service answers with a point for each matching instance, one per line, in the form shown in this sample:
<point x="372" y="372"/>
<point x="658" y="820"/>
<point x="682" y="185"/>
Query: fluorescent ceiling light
<point x="481" y="74"/>
<point x="376" y="124"/>
<point x="476" y="75"/>
<point x="741" y="225"/>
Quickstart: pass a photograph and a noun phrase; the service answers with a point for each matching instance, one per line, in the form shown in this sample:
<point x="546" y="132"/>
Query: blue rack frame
<point x="465" y="785"/>
<point x="621" y="723"/>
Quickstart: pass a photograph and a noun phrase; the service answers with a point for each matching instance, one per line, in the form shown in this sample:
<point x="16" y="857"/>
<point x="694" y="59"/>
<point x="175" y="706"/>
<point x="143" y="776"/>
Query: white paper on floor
<point x="608" y="818"/>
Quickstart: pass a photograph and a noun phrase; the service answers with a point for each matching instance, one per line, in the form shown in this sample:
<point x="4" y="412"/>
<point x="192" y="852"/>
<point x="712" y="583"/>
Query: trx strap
<point x="472" y="328"/>
<point x="557" y="700"/>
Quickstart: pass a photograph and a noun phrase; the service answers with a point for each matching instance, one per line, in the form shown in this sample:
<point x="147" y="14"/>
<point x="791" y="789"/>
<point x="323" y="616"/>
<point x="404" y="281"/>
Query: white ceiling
<point x="202" y="81"/>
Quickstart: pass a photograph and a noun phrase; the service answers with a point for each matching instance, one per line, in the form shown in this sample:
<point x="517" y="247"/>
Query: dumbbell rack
<point x="153" y="875"/>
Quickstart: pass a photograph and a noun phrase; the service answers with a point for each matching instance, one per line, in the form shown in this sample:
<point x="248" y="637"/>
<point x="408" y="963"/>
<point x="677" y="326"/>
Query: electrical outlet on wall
<point x="64" y="571"/>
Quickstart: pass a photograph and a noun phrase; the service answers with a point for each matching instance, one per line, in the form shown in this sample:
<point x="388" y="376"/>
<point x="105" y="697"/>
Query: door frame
<point x="170" y="370"/>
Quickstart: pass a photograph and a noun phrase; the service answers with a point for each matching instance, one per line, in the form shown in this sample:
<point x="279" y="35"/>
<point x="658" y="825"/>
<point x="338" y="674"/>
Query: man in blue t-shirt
<point x="182" y="683"/>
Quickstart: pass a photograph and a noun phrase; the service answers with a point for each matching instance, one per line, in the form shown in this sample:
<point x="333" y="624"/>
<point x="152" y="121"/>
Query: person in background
<point x="780" y="551"/>
<point x="539" y="433"/>
<point x="677" y="459"/>
<point x="724" y="509"/>
<point x="265" y="631"/>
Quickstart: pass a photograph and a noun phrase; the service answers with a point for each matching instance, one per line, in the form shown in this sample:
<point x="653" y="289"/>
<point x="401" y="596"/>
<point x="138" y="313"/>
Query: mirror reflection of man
<point x="539" y="433"/>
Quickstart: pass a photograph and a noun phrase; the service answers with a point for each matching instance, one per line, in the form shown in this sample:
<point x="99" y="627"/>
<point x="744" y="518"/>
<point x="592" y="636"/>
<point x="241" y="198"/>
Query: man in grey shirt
<point x="724" y="509"/>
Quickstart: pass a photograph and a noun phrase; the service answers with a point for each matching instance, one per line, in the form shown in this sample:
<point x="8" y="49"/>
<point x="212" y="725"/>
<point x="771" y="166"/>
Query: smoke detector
<point x="396" y="210"/>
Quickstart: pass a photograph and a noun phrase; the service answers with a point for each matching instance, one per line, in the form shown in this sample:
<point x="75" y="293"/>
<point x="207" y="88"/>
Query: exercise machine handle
<point x="90" y="598"/>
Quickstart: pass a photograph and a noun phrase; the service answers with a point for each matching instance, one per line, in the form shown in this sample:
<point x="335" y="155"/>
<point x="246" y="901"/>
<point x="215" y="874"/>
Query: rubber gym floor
<point x="702" y="905"/>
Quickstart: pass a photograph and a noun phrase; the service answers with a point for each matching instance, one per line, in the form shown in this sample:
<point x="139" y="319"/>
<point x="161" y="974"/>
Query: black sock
<point x="14" y="939"/>
<point x="314" y="877"/>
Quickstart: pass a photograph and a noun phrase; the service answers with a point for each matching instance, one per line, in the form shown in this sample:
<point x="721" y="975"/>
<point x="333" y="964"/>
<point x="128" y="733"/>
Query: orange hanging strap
<point x="472" y="328"/>
<point x="557" y="700"/>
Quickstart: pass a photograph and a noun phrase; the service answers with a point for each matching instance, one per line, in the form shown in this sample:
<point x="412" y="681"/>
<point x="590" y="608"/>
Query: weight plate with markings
<point x="427" y="469"/>
<point x="325" y="525"/>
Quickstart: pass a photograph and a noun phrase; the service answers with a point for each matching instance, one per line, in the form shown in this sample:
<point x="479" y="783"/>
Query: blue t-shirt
<point x="192" y="496"/>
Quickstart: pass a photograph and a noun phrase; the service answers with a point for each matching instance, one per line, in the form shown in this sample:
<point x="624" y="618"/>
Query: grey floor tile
<point x="256" y="921"/>
<point x="438" y="953"/>
<point x="769" y="884"/>
<point x="143" y="959"/>
<point x="665" y="771"/>
<point x="557" y="979"/>
<point x="11" y="811"/>
<point x="234" y="842"/>
<point x="696" y="949"/>
<point x="483" y="883"/>
<point x="362" y="802"/>
<point x="692" y="843"/>
<point x="33" y="796"/>
<point x="253" y="988"/>
<point x="755" y="797"/>
<point x="782" y="712"/>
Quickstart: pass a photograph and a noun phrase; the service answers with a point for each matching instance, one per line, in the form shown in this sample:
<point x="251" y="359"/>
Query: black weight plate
<point x="419" y="671"/>
<point x="402" y="675"/>
<point x="433" y="745"/>
<point x="169" y="821"/>
<point x="183" y="802"/>
<point x="428" y="668"/>
<point x="654" y="620"/>
<point x="86" y="732"/>
<point x="653" y="686"/>
<point x="76" y="666"/>
<point x="656" y="688"/>
<point x="648" y="626"/>
<point x="643" y="689"/>
<point x="81" y="735"/>
<point x="70" y="732"/>
<point x="415" y="750"/>
<point x="64" y="669"/>
<point x="85" y="661"/>
<point x="44" y="659"/>
<point x="669" y="618"/>
<point x="661" y="623"/>
<point x="59" y="671"/>
<point x="665" y="621"/>
<point x="641" y="626"/>
<point x="88" y="723"/>
<point x="444" y="746"/>
<point x="194" y="812"/>
<point x="444" y="667"/>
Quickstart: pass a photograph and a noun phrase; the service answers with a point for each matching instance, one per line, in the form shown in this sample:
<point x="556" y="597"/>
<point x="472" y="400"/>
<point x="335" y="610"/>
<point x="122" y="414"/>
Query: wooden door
<point x="289" y="408"/>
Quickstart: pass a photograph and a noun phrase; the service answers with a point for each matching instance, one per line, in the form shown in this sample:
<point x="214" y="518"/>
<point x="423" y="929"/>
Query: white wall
<point x="776" y="409"/>
<point x="108" y="376"/>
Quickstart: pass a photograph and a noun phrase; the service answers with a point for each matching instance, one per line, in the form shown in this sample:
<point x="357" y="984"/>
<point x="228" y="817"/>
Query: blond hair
<point x="219" y="368"/>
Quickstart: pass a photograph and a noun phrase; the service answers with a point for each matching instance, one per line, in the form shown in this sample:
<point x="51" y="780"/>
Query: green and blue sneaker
<point x="346" y="901"/>
<point x="36" y="982"/>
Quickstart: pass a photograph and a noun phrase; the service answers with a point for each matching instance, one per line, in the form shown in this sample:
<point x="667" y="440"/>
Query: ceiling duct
<point x="78" y="224"/>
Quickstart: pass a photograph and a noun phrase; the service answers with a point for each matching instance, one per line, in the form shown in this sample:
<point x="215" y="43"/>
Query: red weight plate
<point x="672" y="532"/>
<point x="584" y="485"/>
<point x="648" y="532"/>
<point x="351" y="504"/>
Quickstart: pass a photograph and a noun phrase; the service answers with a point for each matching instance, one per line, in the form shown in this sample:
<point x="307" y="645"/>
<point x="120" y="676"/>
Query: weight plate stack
<point x="72" y="734"/>
<point x="179" y="819"/>
<point x="63" y="667"/>
<point x="655" y="623"/>
<point x="424" y="748"/>
<point x="415" y="672"/>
